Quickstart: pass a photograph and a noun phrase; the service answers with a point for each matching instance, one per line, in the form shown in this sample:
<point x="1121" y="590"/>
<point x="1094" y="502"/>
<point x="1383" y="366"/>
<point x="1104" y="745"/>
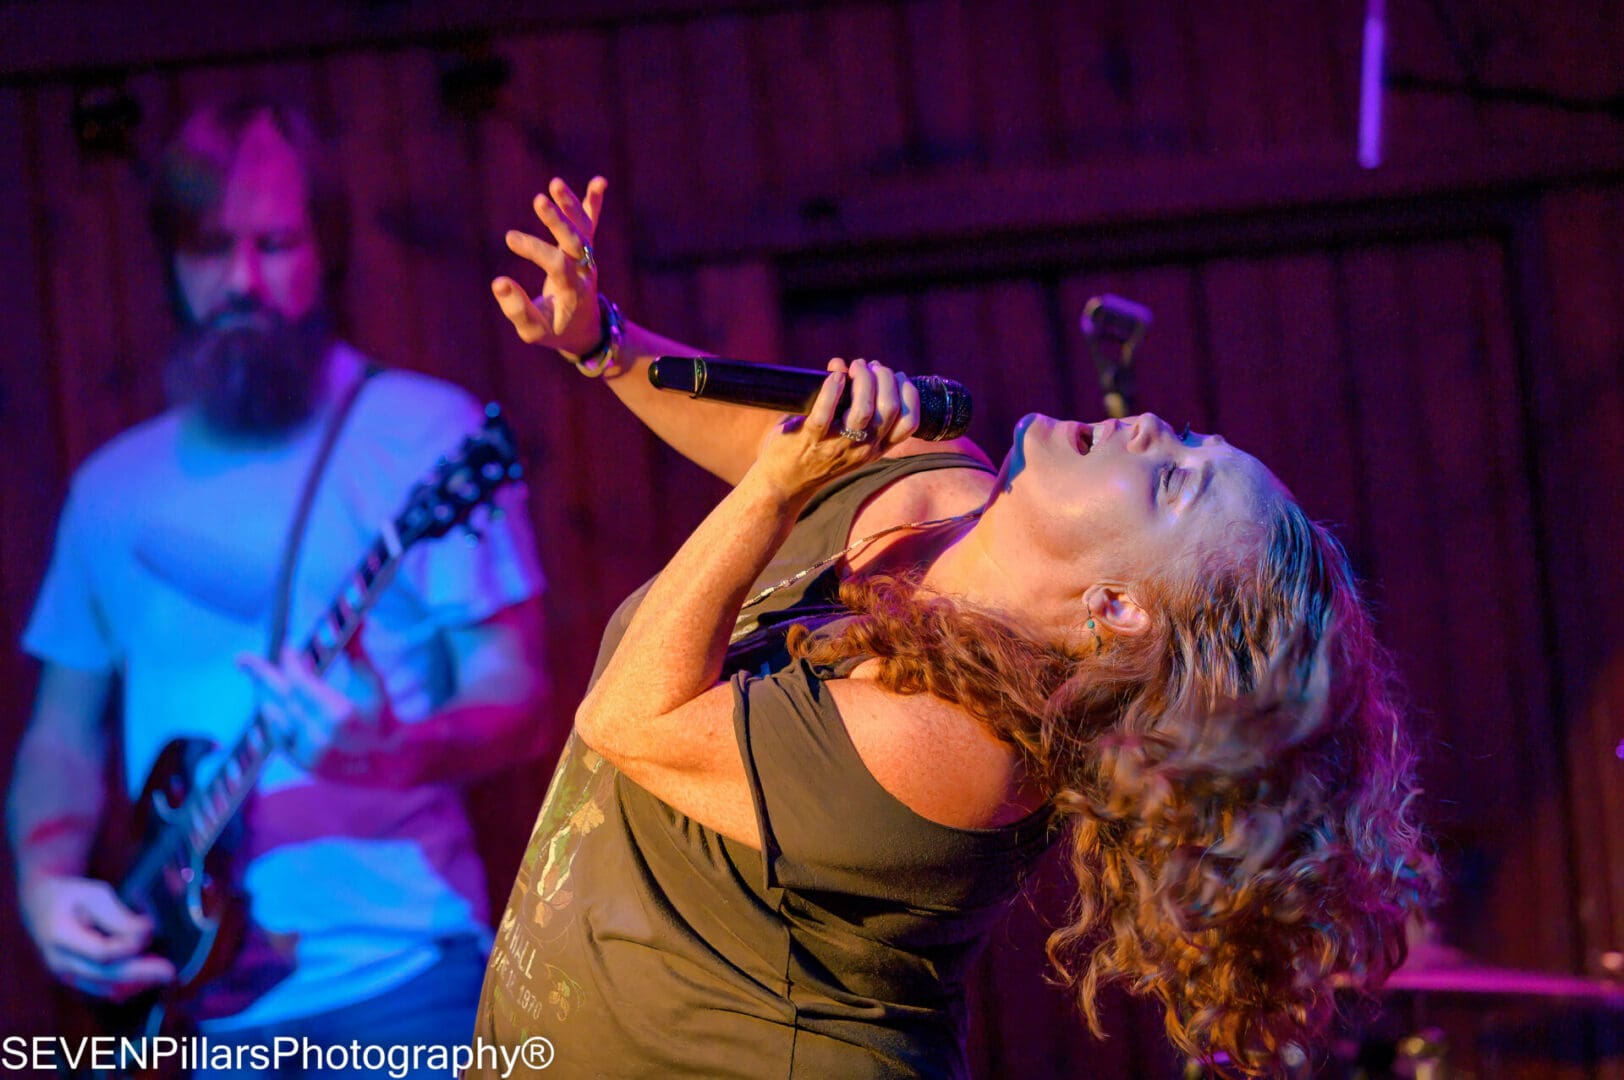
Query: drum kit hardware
<point x="1441" y="970"/>
<point x="1448" y="979"/>
<point x="1438" y="975"/>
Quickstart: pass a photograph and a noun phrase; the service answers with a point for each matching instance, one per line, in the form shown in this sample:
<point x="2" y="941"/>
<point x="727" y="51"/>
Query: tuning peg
<point x="497" y="513"/>
<point x="472" y="535"/>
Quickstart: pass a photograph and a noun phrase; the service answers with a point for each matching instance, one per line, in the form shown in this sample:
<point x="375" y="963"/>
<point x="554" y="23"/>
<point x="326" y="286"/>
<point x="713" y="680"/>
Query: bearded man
<point x="369" y="912"/>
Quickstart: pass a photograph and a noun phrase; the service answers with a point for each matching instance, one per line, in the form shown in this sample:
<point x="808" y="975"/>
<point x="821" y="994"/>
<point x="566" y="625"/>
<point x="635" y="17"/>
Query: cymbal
<point x="1439" y="969"/>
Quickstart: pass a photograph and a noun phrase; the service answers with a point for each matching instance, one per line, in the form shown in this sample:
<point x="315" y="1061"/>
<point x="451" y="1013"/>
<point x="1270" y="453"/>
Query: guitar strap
<point x="301" y="513"/>
<point x="257" y="964"/>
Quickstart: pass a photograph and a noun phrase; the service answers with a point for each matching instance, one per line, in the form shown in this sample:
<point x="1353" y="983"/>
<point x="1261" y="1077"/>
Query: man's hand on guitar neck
<point x="326" y="731"/>
<point x="88" y="938"/>
<point x="350" y="733"/>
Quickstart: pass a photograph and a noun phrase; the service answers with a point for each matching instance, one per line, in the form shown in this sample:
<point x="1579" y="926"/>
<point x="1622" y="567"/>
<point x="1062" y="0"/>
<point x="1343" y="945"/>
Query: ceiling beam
<point x="852" y="220"/>
<point x="52" y="40"/>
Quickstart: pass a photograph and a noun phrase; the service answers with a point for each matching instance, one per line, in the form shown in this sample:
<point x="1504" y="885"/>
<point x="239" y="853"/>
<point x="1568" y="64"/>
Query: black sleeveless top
<point x="641" y="943"/>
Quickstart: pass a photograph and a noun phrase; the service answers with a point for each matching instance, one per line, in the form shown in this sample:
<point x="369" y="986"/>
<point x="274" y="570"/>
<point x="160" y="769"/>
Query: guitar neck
<point x="459" y="486"/>
<point x="211" y="805"/>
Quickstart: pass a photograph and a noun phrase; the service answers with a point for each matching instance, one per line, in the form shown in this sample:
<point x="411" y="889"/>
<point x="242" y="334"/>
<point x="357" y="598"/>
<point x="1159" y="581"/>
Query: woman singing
<point x="823" y="747"/>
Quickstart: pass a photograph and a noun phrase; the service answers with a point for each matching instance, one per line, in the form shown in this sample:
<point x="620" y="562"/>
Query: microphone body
<point x="944" y="405"/>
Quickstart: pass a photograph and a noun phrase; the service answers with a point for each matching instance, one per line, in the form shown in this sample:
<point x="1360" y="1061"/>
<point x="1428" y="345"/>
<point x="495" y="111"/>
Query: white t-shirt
<point x="164" y="570"/>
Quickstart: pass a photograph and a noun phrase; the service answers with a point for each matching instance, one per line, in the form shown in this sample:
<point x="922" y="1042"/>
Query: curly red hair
<point x="1238" y="782"/>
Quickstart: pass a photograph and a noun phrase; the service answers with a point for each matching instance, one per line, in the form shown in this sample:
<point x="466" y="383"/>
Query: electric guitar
<point x="183" y="876"/>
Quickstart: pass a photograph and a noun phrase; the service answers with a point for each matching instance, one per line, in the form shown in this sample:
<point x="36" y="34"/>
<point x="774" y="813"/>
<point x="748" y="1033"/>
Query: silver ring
<point x="854" y="434"/>
<point x="588" y="261"/>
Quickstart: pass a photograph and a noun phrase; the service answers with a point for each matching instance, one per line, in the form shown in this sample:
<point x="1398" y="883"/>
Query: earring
<point x="1098" y="644"/>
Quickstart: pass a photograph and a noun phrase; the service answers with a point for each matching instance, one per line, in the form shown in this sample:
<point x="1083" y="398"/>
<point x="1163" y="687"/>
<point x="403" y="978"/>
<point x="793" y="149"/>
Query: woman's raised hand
<point x="564" y="316"/>
<point x="801" y="453"/>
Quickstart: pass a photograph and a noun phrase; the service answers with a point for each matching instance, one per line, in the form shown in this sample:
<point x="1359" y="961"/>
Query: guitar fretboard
<point x="211" y="805"/>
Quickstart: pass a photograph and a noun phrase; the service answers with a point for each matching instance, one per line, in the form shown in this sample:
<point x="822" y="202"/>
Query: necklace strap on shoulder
<point x="856" y="546"/>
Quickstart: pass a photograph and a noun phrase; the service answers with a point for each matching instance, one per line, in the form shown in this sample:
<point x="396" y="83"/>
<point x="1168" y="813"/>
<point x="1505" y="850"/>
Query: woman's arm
<point x="722" y="439"/>
<point x="657" y="712"/>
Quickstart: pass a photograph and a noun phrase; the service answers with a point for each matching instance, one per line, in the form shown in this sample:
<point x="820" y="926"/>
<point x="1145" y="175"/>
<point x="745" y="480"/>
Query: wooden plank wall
<point x="1444" y="384"/>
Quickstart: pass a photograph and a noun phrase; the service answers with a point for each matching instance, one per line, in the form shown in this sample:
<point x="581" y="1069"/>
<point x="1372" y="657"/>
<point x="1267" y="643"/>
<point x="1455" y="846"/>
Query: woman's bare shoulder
<point x="923" y="496"/>
<point x="961" y="445"/>
<point x="933" y="757"/>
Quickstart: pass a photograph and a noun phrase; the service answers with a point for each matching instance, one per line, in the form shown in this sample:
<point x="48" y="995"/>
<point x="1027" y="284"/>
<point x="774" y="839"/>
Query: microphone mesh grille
<point x="944" y="408"/>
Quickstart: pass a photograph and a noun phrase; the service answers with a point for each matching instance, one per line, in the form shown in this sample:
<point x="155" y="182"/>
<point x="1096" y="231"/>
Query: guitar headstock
<point x="461" y="483"/>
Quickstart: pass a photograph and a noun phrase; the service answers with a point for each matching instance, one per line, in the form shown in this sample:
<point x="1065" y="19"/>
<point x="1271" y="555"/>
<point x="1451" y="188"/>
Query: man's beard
<point x="249" y="370"/>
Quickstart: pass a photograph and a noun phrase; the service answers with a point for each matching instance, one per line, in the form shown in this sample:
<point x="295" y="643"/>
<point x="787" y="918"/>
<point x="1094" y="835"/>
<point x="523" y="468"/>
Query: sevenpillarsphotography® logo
<point x="55" y="1053"/>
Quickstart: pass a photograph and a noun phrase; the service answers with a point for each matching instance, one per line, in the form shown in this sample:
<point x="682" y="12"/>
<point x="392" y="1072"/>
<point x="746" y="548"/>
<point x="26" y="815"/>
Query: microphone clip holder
<point x="1113" y="327"/>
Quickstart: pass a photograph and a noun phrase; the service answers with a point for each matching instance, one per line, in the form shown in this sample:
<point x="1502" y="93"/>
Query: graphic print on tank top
<point x="540" y="908"/>
<point x="543" y="974"/>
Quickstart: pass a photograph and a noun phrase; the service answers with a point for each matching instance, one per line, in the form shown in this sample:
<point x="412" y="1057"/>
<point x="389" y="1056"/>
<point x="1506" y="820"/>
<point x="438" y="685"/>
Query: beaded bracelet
<point x="603" y="359"/>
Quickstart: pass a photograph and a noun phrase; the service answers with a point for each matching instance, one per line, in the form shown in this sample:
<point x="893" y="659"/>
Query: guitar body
<point x="198" y="913"/>
<point x="199" y="917"/>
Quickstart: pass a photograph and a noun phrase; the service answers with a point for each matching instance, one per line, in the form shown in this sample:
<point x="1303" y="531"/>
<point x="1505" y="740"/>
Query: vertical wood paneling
<point x="1239" y="321"/>
<point x="1396" y="527"/>
<point x="937" y="44"/>
<point x="1318" y="441"/>
<point x="1158" y="42"/>
<point x="1598" y="804"/>
<point x="951" y="323"/>
<point x="1516" y="445"/>
<point x="1578" y="410"/>
<point x="882" y="327"/>
<point x="368" y="128"/>
<point x="1579" y="400"/>
<point x="30" y="491"/>
<point x="1231" y="98"/>
<point x="1090" y="84"/>
<point x="598" y="458"/>
<point x="818" y="328"/>
<point x="1340" y="39"/>
<point x="438" y="227"/>
<point x="1297" y="77"/>
<point x="1016" y="355"/>
<point x="798" y="69"/>
<point x="1051" y="1037"/>
<point x="143" y="294"/>
<point x="724" y="129"/>
<point x="82" y="285"/>
<point x="1424" y="124"/>
<point x="657" y="123"/>
<point x="870" y="99"/>
<point x="1480" y="509"/>
<point x="1016" y="114"/>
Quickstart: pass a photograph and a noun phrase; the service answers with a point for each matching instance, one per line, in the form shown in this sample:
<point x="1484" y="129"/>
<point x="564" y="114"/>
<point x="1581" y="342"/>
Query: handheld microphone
<point x="944" y="405"/>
